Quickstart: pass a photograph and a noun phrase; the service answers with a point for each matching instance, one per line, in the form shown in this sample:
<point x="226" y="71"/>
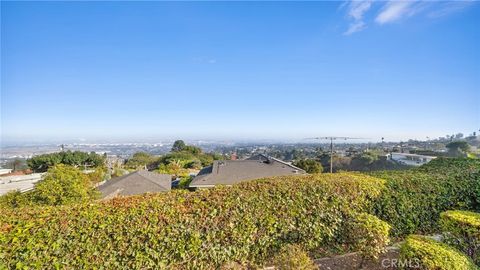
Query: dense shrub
<point x="462" y="230"/>
<point x="293" y="257"/>
<point x="249" y="222"/>
<point x="42" y="163"/>
<point x="14" y="199"/>
<point x="100" y="174"/>
<point x="309" y="165"/>
<point x="368" y="234"/>
<point x="142" y="160"/>
<point x="419" y="252"/>
<point x="244" y="223"/>
<point x="61" y="185"/>
<point x="413" y="200"/>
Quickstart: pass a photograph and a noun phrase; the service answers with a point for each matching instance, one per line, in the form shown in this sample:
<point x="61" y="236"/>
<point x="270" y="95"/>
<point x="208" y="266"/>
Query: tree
<point x="16" y="164"/>
<point x="192" y="149"/>
<point x="140" y="160"/>
<point x="363" y="162"/>
<point x="458" y="148"/>
<point x="178" y="146"/>
<point x="63" y="185"/>
<point x="309" y="165"/>
<point x="43" y="162"/>
<point x="174" y="168"/>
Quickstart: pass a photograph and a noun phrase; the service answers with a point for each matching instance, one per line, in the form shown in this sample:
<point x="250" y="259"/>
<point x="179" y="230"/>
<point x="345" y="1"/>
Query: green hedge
<point x="413" y="200"/>
<point x="293" y="257"/>
<point x="419" y="252"/>
<point x="368" y="234"/>
<point x="245" y="223"/>
<point x="462" y="230"/>
<point x="248" y="222"/>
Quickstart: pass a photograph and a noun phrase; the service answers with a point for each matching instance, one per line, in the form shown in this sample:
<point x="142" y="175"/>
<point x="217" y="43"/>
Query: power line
<point x="332" y="138"/>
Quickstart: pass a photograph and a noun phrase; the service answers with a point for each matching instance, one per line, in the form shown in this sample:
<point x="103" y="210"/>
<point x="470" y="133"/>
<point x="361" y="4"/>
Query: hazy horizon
<point x="238" y="71"/>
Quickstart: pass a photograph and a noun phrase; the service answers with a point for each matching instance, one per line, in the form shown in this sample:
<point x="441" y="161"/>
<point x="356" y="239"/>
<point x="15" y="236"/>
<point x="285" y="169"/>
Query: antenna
<point x="332" y="138"/>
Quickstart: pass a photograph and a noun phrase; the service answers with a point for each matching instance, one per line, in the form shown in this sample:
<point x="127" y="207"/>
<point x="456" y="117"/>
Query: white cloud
<point x="358" y="8"/>
<point x="355" y="27"/>
<point x="446" y="8"/>
<point x="395" y="10"/>
<point x="356" y="11"/>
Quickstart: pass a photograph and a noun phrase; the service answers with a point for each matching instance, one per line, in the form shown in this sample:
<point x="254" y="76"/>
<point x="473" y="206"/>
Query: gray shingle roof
<point x="228" y="172"/>
<point x="138" y="182"/>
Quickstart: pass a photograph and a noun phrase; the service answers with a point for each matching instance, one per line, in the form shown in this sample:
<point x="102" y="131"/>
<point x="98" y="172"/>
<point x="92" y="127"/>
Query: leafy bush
<point x="309" y="165"/>
<point x="413" y="200"/>
<point x="462" y="230"/>
<point x="419" y="252"/>
<point x="14" y="199"/>
<point x="100" y="174"/>
<point x="42" y="163"/>
<point x="368" y="234"/>
<point x="293" y="257"/>
<point x="142" y="160"/>
<point x="247" y="222"/>
<point x="61" y="185"/>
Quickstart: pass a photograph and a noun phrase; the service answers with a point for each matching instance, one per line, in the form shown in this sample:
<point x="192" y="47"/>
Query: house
<point x="134" y="183"/>
<point x="229" y="172"/>
<point x="22" y="183"/>
<point x="411" y="159"/>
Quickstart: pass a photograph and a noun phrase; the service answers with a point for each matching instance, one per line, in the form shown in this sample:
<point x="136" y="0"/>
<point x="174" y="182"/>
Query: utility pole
<point x="331" y="145"/>
<point x="331" y="155"/>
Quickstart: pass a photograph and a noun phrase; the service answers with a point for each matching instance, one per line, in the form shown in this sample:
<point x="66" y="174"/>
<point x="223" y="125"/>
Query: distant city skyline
<point x="132" y="71"/>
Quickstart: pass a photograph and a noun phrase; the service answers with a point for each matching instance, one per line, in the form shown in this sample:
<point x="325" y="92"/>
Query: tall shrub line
<point x="245" y="223"/>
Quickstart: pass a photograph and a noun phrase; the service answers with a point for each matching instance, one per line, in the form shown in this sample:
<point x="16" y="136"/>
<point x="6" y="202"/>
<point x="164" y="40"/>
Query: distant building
<point x="229" y="172"/>
<point x="411" y="159"/>
<point x="5" y="171"/>
<point x="22" y="183"/>
<point x="138" y="182"/>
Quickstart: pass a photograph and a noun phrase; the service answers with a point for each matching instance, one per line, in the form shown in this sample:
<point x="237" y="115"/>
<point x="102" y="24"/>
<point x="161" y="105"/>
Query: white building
<point x="19" y="182"/>
<point x="5" y="171"/>
<point x="411" y="159"/>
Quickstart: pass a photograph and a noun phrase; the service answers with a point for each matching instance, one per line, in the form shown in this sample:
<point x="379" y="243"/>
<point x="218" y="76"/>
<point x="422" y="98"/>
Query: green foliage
<point x="458" y="148"/>
<point x="174" y="168"/>
<point x="178" y="146"/>
<point x="309" y="165"/>
<point x="244" y="223"/>
<point x="413" y="200"/>
<point x="184" y="182"/>
<point x="17" y="164"/>
<point x="184" y="157"/>
<point x="293" y="257"/>
<point x="61" y="185"/>
<point x="419" y="252"/>
<point x="368" y="234"/>
<point x="363" y="161"/>
<point x="43" y="162"/>
<point x="14" y="199"/>
<point x="99" y="175"/>
<point x="140" y="160"/>
<point x="462" y="230"/>
<point x="117" y="172"/>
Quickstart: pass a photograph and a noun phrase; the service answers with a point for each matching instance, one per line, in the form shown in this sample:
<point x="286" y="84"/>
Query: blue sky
<point x="242" y="70"/>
